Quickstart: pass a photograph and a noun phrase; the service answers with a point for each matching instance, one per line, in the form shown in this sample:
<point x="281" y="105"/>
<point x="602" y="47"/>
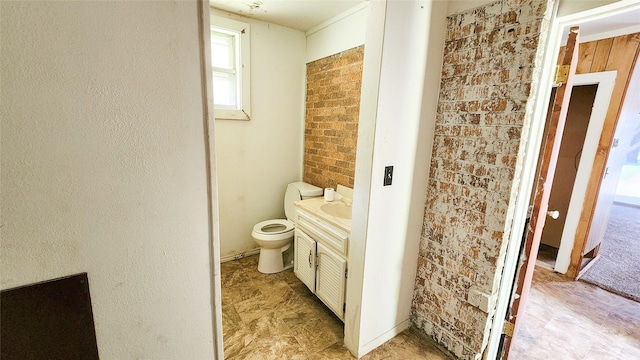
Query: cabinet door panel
<point x="330" y="281"/>
<point x="304" y="264"/>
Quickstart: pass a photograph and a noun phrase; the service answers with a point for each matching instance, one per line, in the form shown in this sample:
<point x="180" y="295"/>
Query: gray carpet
<point x="618" y="268"/>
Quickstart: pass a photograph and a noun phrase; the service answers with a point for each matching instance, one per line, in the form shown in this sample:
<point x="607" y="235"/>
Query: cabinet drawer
<point x="323" y="231"/>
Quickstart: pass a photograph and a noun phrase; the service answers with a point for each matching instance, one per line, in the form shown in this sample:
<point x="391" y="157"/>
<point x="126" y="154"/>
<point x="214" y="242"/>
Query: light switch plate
<point x="388" y="175"/>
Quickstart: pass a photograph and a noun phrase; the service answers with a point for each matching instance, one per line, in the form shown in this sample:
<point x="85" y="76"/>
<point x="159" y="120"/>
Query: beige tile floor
<point x="566" y="319"/>
<point x="276" y="317"/>
<point x="547" y="256"/>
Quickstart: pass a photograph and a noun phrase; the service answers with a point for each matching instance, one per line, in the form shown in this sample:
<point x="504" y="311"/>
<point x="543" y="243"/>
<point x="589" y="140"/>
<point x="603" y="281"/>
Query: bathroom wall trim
<point x="213" y="223"/>
<point x="371" y="345"/>
<point x="336" y="18"/>
<point x="239" y="256"/>
<point x="606" y="81"/>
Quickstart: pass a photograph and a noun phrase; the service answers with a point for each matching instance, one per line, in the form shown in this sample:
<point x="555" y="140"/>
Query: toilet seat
<point x="275" y="237"/>
<point x="276" y="229"/>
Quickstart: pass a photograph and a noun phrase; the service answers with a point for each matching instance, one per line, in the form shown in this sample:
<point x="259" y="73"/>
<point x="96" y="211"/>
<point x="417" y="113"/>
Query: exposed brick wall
<point x="491" y="64"/>
<point x="331" y="124"/>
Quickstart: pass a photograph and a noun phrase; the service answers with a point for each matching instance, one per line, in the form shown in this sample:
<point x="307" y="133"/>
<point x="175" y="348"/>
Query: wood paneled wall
<point x="618" y="53"/>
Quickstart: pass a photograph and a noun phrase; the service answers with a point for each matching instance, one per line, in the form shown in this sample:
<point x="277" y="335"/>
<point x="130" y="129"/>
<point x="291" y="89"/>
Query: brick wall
<point x="331" y="124"/>
<point x="492" y="56"/>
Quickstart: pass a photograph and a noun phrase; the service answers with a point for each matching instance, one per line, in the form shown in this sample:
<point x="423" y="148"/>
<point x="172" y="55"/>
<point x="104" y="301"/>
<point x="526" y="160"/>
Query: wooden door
<point x="304" y="263"/>
<point x="549" y="151"/>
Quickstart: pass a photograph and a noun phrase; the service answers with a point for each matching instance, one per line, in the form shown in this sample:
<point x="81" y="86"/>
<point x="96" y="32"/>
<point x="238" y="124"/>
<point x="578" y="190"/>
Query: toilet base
<point x="271" y="260"/>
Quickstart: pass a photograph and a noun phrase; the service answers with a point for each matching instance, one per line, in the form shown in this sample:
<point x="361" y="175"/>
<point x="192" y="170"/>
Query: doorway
<point x="566" y="318"/>
<point x="573" y="141"/>
<point x="551" y="288"/>
<point x="587" y="113"/>
<point x="607" y="133"/>
<point x="617" y="268"/>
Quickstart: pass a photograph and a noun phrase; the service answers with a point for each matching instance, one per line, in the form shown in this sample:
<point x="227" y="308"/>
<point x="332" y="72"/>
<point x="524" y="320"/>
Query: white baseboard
<point x="371" y="345"/>
<point x="239" y="256"/>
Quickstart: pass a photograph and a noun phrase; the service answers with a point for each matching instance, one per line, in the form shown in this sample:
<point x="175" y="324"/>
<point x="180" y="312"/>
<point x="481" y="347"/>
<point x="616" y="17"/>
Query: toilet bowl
<point x="276" y="236"/>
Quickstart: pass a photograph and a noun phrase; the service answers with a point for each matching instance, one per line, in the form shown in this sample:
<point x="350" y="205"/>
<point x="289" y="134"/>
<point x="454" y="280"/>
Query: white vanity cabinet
<point x="320" y="259"/>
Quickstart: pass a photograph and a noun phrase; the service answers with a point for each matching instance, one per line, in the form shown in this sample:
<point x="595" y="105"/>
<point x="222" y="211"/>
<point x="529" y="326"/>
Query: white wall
<point x="103" y="167"/>
<point x="568" y="7"/>
<point x="342" y="32"/>
<point x="565" y="7"/>
<point x="458" y="6"/>
<point x="400" y="115"/>
<point x="256" y="159"/>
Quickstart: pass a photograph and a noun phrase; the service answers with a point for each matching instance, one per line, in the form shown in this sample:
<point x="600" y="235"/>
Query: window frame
<point x="243" y="70"/>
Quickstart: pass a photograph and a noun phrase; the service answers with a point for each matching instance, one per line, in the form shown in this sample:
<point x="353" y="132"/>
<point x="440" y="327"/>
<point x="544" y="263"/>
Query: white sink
<point x="338" y="210"/>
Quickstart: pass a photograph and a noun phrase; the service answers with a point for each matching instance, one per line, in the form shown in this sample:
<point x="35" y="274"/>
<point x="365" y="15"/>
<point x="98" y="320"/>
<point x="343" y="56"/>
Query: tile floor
<point x="566" y="319"/>
<point x="547" y="256"/>
<point x="276" y="317"/>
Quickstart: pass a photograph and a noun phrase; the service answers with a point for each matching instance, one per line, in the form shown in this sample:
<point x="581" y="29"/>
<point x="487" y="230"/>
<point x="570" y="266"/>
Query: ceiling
<point x="297" y="14"/>
<point x="624" y="23"/>
<point x="306" y="14"/>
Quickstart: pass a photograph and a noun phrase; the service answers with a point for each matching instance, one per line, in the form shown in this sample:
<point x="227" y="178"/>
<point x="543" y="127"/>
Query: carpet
<point x="618" y="268"/>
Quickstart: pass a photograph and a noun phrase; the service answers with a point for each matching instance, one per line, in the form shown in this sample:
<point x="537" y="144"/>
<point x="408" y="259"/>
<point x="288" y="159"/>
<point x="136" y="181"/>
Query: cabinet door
<point x="330" y="279"/>
<point x="304" y="263"/>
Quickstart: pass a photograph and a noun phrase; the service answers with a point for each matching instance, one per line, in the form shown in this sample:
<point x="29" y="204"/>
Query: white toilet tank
<point x="295" y="192"/>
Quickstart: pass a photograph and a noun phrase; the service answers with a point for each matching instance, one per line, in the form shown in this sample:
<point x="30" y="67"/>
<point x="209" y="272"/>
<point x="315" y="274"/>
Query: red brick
<point x="331" y="123"/>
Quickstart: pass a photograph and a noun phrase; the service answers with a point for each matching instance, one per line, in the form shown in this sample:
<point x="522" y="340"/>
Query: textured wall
<point x="331" y="126"/>
<point x="491" y="64"/>
<point x="103" y="167"/>
<point x="256" y="159"/>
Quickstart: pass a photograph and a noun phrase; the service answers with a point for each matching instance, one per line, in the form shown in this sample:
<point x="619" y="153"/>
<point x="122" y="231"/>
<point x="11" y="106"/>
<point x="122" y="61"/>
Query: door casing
<point x="605" y="81"/>
<point x="532" y="144"/>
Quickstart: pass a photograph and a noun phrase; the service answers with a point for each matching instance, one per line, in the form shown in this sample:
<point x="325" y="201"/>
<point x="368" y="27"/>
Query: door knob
<point x="554" y="214"/>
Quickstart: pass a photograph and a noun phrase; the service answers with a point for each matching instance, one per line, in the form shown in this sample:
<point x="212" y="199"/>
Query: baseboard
<point x="627" y="201"/>
<point x="239" y="256"/>
<point x="544" y="265"/>
<point x="371" y="345"/>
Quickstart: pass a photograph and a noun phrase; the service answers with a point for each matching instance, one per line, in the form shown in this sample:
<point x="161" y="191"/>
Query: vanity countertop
<point x="314" y="205"/>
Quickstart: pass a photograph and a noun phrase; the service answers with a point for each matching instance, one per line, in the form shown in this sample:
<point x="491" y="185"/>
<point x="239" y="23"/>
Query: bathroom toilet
<point x="276" y="236"/>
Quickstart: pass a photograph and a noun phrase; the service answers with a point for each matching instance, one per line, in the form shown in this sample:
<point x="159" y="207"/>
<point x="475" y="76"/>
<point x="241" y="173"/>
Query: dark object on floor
<point x="48" y="320"/>
<point x="618" y="268"/>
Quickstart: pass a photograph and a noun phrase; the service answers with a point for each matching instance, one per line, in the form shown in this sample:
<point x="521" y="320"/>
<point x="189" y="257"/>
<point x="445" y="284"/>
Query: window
<point x="231" y="68"/>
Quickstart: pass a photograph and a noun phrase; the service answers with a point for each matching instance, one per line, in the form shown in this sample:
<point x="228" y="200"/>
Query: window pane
<point x="231" y="71"/>
<point x="224" y="90"/>
<point x="223" y="50"/>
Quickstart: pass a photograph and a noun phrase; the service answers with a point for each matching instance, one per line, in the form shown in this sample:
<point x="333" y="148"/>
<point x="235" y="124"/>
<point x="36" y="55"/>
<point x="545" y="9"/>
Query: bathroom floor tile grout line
<point x="275" y="315"/>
